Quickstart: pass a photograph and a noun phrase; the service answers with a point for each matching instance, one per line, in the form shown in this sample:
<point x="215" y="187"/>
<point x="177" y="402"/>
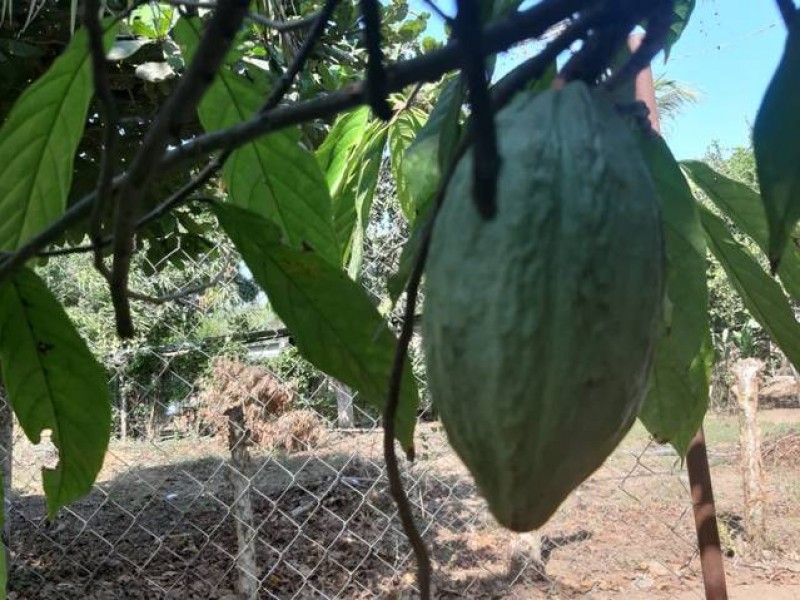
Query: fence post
<point x="344" y="405"/>
<point x="242" y="508"/>
<point x="746" y="372"/>
<point x="7" y="444"/>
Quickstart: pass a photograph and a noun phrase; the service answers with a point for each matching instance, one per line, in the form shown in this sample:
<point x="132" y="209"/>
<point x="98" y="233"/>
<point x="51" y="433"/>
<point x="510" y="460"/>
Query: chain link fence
<point x="236" y="470"/>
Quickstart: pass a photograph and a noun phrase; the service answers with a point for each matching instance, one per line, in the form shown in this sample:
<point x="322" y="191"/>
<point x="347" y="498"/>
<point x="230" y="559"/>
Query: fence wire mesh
<point x="236" y="470"/>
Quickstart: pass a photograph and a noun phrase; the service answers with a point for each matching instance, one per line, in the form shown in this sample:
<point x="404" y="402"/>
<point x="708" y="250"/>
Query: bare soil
<point x="159" y="525"/>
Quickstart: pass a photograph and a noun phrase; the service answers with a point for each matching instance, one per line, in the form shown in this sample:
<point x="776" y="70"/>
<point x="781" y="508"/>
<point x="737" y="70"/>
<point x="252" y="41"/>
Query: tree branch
<point x="486" y="165"/>
<point x="200" y="74"/>
<point x="376" y="74"/>
<point x="788" y="11"/>
<point x="498" y="36"/>
<point x="108" y="108"/>
<point x="183" y="293"/>
<point x="283" y="26"/>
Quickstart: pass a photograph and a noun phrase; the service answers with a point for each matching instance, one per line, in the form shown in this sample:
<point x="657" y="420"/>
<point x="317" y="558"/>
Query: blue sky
<point x="728" y="54"/>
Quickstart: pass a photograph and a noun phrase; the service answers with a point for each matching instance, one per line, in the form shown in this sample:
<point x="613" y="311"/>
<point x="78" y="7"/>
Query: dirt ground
<point x="160" y="525"/>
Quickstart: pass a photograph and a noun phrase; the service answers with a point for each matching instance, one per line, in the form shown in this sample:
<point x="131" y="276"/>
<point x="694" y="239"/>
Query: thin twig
<point x="389" y="416"/>
<point x="283" y="26"/>
<point x="498" y="36"/>
<point x="438" y="11"/>
<point x="502" y="94"/>
<point x="190" y="291"/>
<point x="283" y="84"/>
<point x="180" y="197"/>
<point x="211" y="51"/>
<point x="108" y="108"/>
<point x="486" y="165"/>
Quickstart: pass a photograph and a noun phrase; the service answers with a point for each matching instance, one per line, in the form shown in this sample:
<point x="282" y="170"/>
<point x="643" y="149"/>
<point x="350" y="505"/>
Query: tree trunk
<point x="746" y="372"/>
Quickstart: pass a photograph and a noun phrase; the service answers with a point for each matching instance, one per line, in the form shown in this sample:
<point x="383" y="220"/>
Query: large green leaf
<point x="332" y="320"/>
<point x="362" y="194"/>
<point x="402" y="134"/>
<point x="273" y="176"/>
<point x="682" y="12"/>
<point x="345" y="212"/>
<point x="678" y="397"/>
<point x="743" y="206"/>
<point x="761" y="294"/>
<point x="429" y="156"/>
<point x="38" y="141"/>
<point x="335" y="153"/>
<point x="53" y="382"/>
<point x="776" y="142"/>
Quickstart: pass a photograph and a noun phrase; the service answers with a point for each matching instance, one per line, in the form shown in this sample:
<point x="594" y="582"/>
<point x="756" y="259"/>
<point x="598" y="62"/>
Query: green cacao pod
<point x="539" y="325"/>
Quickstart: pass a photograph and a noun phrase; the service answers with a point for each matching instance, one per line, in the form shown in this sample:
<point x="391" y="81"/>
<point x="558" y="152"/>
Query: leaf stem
<point x="788" y="11"/>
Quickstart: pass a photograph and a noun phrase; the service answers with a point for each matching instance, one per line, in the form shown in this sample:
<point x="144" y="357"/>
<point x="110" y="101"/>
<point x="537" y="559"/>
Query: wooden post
<point x="344" y="404"/>
<point x="242" y="508"/>
<point x="7" y="444"/>
<point x="746" y="372"/>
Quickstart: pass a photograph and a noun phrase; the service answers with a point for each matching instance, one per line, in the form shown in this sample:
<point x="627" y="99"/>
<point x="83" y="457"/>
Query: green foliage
<point x="776" y="140"/>
<point x="743" y="206"/>
<point x="337" y="151"/>
<point x="402" y="135"/>
<point x="335" y="325"/>
<point x="676" y="403"/>
<point x="273" y="176"/>
<point x="53" y="382"/>
<point x="427" y="157"/>
<point x="761" y="294"/>
<point x="682" y="13"/>
<point x="38" y="141"/>
<point x="360" y="192"/>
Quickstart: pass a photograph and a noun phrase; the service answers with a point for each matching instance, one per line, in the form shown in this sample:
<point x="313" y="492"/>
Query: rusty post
<point x="705" y="519"/>
<point x="705" y="515"/>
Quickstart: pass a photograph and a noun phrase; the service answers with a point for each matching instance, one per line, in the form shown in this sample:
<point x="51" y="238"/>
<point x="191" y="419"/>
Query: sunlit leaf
<point x="53" y="383"/>
<point x="678" y="397"/>
<point x="273" y="176"/>
<point x="363" y="193"/>
<point x="760" y="293"/>
<point x="402" y="134"/>
<point x="335" y="152"/>
<point x="744" y="207"/>
<point x="428" y="157"/>
<point x="38" y="141"/>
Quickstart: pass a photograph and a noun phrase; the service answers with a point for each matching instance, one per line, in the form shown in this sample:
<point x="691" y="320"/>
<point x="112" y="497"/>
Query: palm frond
<point x="673" y="97"/>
